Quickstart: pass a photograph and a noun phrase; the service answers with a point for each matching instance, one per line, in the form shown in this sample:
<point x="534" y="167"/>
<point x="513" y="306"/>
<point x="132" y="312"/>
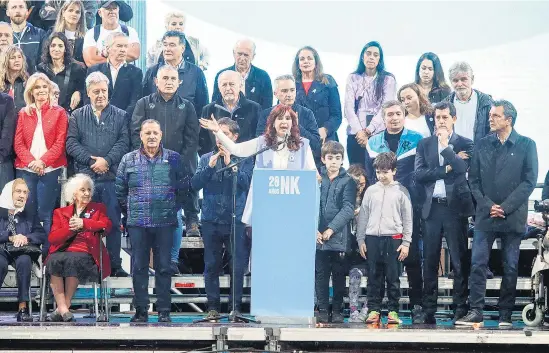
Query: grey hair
<point x="150" y="121"/>
<point x="96" y="77"/>
<point x="109" y="41"/>
<point x="390" y="104"/>
<point x="72" y="185"/>
<point x="283" y="78"/>
<point x="509" y="110"/>
<point x="245" y="40"/>
<point x="460" y="67"/>
<point x="166" y="67"/>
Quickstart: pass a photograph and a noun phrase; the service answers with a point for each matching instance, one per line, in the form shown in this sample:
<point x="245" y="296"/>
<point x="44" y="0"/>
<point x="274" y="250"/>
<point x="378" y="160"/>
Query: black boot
<point x="164" y="316"/>
<point x="23" y="315"/>
<point x="141" y="315"/>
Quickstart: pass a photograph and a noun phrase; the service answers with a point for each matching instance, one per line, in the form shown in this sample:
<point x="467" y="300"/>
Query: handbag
<point x="28" y="249"/>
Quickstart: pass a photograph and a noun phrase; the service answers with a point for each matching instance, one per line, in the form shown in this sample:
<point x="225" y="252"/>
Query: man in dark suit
<point x="441" y="165"/>
<point x="504" y="172"/>
<point x="124" y="79"/>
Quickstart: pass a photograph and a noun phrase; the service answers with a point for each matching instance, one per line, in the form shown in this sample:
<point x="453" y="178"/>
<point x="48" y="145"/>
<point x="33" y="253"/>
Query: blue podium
<point x="284" y="223"/>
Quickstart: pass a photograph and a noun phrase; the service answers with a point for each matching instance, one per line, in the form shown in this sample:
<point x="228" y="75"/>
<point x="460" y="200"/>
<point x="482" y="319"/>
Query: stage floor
<point x="183" y="333"/>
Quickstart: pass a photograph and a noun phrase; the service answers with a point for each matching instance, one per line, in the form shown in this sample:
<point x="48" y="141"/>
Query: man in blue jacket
<point x="216" y="217"/>
<point x="403" y="143"/>
<point x="97" y="140"/>
<point x="285" y="92"/>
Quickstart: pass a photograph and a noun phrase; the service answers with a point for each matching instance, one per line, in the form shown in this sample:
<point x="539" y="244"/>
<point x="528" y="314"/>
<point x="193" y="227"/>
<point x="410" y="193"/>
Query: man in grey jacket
<point x="97" y="139"/>
<point x="384" y="234"/>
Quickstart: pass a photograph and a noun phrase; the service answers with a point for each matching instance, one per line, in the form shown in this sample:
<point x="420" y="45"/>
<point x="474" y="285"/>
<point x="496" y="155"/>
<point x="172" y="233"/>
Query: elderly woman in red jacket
<point x="74" y="238"/>
<point x="40" y="148"/>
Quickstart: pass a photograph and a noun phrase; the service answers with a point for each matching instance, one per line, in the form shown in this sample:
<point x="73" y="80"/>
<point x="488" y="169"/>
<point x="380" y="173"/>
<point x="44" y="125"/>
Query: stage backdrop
<point x="506" y="43"/>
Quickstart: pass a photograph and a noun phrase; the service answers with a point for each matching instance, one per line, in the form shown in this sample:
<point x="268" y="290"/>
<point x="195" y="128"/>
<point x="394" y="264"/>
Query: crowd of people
<point x="139" y="147"/>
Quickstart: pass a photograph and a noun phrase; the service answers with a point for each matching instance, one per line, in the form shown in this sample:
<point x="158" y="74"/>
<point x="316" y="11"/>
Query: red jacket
<point x="96" y="222"/>
<point x="54" y="124"/>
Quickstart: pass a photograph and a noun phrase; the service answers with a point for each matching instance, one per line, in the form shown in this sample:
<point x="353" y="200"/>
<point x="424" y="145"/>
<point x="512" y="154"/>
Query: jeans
<point x="177" y="237"/>
<point x="382" y="257"/>
<point x="160" y="240"/>
<point x="328" y="263"/>
<point x="105" y="193"/>
<point x="413" y="264"/>
<point x="442" y="218"/>
<point x="510" y="250"/>
<point x="355" y="152"/>
<point x="23" y="267"/>
<point x="216" y="236"/>
<point x="44" y="191"/>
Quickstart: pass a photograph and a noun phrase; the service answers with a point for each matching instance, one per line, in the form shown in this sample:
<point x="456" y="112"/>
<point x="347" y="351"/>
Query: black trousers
<point x="328" y="263"/>
<point x="443" y="219"/>
<point x="23" y="267"/>
<point x="413" y="263"/>
<point x="355" y="152"/>
<point x="383" y="265"/>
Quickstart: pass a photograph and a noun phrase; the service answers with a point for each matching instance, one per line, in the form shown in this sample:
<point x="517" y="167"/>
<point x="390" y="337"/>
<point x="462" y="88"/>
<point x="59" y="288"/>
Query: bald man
<point x="256" y="83"/>
<point x="233" y="104"/>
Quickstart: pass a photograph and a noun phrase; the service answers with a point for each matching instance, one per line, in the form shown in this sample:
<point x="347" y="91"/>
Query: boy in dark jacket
<point x="217" y="209"/>
<point x="337" y="204"/>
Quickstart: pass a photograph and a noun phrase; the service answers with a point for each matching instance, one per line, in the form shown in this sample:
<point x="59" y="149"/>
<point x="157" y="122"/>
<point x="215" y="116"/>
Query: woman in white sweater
<point x="288" y="150"/>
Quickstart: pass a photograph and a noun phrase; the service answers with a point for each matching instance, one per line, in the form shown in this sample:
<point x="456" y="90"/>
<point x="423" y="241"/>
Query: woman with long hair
<point x="430" y="78"/>
<point x="74" y="256"/>
<point x="14" y="75"/>
<point x="71" y="21"/>
<point x="40" y="148"/>
<point x="69" y="75"/>
<point x="419" y="112"/>
<point x="288" y="150"/>
<point x="318" y="92"/>
<point x="367" y="89"/>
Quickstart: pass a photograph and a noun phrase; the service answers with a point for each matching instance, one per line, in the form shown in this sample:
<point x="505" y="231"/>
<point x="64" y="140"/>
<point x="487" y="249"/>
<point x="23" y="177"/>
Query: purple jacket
<point x="364" y="86"/>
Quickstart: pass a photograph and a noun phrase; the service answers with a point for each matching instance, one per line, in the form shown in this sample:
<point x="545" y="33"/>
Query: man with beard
<point x="26" y="36"/>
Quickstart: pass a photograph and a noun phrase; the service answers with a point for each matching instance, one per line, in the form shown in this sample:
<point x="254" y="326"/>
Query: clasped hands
<point x="76" y="224"/>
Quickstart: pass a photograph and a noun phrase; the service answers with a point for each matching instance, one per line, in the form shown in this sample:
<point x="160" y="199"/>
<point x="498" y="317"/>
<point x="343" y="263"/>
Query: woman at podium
<point x="285" y="148"/>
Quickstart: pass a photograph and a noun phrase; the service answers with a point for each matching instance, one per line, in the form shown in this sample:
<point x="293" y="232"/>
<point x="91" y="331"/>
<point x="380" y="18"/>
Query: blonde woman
<point x="40" y="148"/>
<point x="14" y="75"/>
<point x="195" y="52"/>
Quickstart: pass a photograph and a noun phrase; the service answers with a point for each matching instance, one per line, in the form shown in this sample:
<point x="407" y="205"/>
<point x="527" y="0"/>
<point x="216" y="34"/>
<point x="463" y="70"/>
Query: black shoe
<point x="141" y="315"/>
<point x="473" y="317"/>
<point x="213" y="316"/>
<point x="451" y="274"/>
<point x="322" y="317"/>
<point x="175" y="269"/>
<point x="417" y="314"/>
<point x="55" y="316"/>
<point x="337" y="317"/>
<point x="458" y="314"/>
<point x="426" y="319"/>
<point x="505" y="319"/>
<point x="119" y="272"/>
<point x="164" y="316"/>
<point x="23" y="315"/>
<point x="489" y="274"/>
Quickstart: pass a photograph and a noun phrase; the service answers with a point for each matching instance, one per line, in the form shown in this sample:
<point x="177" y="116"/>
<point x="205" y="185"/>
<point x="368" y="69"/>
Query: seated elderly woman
<point x="74" y="244"/>
<point x="20" y="239"/>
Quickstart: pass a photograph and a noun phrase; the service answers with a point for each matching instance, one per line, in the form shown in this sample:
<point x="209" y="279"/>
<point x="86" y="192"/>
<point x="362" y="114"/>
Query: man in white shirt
<point x="110" y="13"/>
<point x="472" y="106"/>
<point x="447" y="204"/>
